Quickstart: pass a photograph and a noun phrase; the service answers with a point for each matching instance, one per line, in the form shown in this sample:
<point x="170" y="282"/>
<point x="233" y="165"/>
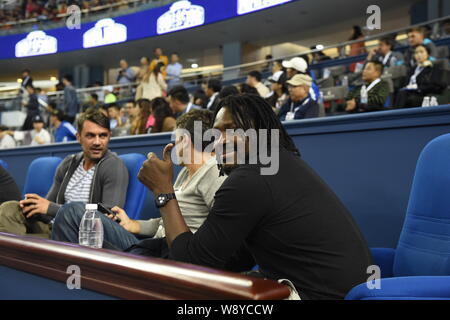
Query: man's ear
<point x="78" y="136"/>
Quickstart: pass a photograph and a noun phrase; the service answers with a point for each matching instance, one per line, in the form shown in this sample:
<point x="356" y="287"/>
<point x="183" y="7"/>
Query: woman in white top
<point x="153" y="84"/>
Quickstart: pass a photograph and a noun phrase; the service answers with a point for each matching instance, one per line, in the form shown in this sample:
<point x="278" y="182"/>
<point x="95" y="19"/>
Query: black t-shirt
<point x="8" y="187"/>
<point x="290" y="224"/>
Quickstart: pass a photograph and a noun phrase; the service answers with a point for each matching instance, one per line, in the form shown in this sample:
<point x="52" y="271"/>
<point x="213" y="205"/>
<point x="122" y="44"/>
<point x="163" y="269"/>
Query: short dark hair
<point x="179" y="93"/>
<point x="255" y="74"/>
<point x="26" y="70"/>
<point x="113" y="105"/>
<point x="188" y="120"/>
<point x="68" y="77"/>
<point x="417" y="29"/>
<point x="58" y="113"/>
<point x="94" y="95"/>
<point x="378" y="65"/>
<point x="245" y="88"/>
<point x="427" y="48"/>
<point x="95" y="116"/>
<point x="3" y="127"/>
<point x="214" y="85"/>
<point x="389" y="41"/>
<point x="228" y="91"/>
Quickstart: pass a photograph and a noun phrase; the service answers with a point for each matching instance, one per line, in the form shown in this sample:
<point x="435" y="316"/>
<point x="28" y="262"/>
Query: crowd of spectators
<point x="48" y="10"/>
<point x="291" y="90"/>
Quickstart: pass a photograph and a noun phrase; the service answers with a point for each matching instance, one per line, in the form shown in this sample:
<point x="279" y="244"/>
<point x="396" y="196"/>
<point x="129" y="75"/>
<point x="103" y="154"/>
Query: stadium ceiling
<point x="292" y="21"/>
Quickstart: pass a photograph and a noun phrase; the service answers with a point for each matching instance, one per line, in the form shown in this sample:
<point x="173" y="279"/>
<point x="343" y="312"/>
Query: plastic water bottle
<point x="426" y="102"/>
<point x="345" y="81"/>
<point x="90" y="233"/>
<point x="364" y="96"/>
<point x="433" y="102"/>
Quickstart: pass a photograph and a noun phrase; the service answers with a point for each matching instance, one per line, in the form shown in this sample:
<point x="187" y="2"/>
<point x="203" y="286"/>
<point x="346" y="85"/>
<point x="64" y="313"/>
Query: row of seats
<point x="41" y="171"/>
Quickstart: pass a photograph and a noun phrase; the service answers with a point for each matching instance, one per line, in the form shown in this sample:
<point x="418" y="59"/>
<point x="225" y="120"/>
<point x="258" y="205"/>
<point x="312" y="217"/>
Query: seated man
<point x="300" y="105"/>
<point x="372" y="95"/>
<point x="64" y="131"/>
<point x="194" y="188"/>
<point x="385" y="55"/>
<point x="290" y="223"/>
<point x="91" y="176"/>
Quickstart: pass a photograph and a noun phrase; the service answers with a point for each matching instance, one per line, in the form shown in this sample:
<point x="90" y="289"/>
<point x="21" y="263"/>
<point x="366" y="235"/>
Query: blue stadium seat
<point x="3" y="164"/>
<point x="419" y="268"/>
<point x="40" y="175"/>
<point x="136" y="190"/>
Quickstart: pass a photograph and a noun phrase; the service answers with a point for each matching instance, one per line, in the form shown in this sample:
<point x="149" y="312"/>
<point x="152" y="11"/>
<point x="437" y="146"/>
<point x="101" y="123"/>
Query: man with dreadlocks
<point x="290" y="223"/>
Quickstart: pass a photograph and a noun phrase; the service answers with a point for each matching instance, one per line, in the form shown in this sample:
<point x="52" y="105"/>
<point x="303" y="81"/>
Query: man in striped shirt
<point x="91" y="176"/>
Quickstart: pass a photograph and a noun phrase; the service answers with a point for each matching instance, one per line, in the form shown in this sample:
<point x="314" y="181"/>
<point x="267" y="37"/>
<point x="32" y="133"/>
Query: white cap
<point x="91" y="206"/>
<point x="296" y="63"/>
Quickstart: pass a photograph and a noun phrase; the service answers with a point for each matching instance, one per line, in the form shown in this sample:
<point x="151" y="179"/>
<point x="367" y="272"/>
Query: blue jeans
<point x="67" y="222"/>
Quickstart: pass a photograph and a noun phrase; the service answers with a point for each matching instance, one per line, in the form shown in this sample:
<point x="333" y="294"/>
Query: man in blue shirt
<point x="64" y="131"/>
<point x="71" y="103"/>
<point x="300" y="104"/>
<point x="174" y="72"/>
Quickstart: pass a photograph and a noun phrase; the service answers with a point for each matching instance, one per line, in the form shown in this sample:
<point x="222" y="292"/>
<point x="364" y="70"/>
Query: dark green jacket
<point x="376" y="98"/>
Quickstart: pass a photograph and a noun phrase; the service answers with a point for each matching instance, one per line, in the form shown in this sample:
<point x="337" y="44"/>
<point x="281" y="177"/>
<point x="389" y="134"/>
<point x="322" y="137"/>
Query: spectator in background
<point x="153" y="84"/>
<point x="356" y="48"/>
<point x="159" y="58"/>
<point x="372" y="95"/>
<point x="92" y="102"/>
<point x="277" y="65"/>
<point x="200" y="99"/>
<point x="26" y="81"/>
<point x="424" y="79"/>
<point x="300" y="105"/>
<point x="228" y="91"/>
<point x="71" y="104"/>
<point x="279" y="95"/>
<point x="64" y="131"/>
<point x="254" y="80"/>
<point x="212" y="92"/>
<point x="42" y="97"/>
<point x="385" y="55"/>
<point x="6" y="141"/>
<point x="163" y="115"/>
<point x="179" y="101"/>
<point x="126" y="74"/>
<point x="245" y="88"/>
<point x="39" y="135"/>
<point x="110" y="97"/>
<point x="299" y="65"/>
<point x="32" y="108"/>
<point x="115" y="119"/>
<point x="416" y="37"/>
<point x="174" y="70"/>
<point x="143" y="69"/>
<point x="143" y="120"/>
<point x="132" y="111"/>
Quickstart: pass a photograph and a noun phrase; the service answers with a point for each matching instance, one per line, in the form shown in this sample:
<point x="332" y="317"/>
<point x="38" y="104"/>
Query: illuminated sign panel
<point x="105" y="31"/>
<point x="36" y="43"/>
<point x="247" y="6"/>
<point x="148" y="23"/>
<point x="182" y="15"/>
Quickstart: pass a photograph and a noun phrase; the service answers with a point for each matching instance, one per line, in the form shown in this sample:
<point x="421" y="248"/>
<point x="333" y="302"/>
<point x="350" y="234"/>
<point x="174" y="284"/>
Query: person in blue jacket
<point x="63" y="130"/>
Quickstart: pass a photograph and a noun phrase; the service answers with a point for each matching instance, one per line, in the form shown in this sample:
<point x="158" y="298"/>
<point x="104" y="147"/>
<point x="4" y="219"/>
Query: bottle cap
<point x="91" y="206"/>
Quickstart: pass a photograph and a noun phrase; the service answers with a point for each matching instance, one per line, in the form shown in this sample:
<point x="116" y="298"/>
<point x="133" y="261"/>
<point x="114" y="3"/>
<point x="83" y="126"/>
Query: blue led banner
<point x="180" y="15"/>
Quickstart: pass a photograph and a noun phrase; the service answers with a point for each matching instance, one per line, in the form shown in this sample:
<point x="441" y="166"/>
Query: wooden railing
<point x="129" y="276"/>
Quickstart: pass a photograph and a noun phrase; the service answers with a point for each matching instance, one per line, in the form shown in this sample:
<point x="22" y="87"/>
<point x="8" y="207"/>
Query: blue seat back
<point x="40" y="175"/>
<point x="3" y="164"/>
<point x="424" y="245"/>
<point x="136" y="190"/>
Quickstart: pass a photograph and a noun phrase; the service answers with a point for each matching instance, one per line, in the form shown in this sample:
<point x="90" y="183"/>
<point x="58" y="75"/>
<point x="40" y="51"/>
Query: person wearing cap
<point x="300" y="104"/>
<point x="279" y="95"/>
<point x="254" y="80"/>
<point x="299" y="65"/>
<point x="64" y="131"/>
<point x="39" y="135"/>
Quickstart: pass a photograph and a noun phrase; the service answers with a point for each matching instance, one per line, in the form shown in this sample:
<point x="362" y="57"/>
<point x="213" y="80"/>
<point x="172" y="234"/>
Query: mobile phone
<point x="103" y="209"/>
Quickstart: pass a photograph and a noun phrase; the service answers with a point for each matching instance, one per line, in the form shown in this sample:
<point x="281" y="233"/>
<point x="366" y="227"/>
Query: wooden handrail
<point x="129" y="276"/>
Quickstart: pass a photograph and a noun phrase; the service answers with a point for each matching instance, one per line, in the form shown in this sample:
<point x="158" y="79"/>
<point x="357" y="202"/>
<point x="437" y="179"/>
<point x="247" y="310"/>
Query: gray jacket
<point x="109" y="184"/>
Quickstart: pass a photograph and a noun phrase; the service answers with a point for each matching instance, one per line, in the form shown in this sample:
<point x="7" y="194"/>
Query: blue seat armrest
<point x="404" y="288"/>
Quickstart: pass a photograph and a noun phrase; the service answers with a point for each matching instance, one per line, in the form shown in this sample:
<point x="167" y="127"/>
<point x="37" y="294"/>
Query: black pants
<point x="152" y="247"/>
<point x="408" y="99"/>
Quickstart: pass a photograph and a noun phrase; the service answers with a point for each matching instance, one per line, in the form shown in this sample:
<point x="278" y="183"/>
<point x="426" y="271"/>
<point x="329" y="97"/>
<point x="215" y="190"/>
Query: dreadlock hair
<point x="250" y="111"/>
